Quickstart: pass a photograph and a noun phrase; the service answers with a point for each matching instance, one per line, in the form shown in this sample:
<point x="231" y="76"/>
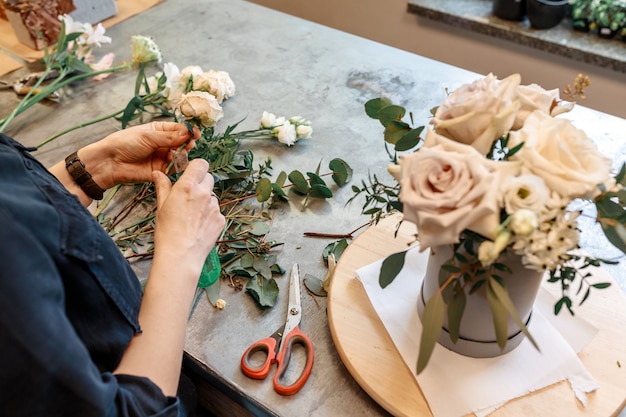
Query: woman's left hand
<point x="130" y="155"/>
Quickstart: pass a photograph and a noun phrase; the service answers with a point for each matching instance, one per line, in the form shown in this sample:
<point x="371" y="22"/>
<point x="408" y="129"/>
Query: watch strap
<point x="76" y="168"/>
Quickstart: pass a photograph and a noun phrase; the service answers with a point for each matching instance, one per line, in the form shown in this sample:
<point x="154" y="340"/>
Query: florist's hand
<point x="188" y="221"/>
<point x="130" y="155"/>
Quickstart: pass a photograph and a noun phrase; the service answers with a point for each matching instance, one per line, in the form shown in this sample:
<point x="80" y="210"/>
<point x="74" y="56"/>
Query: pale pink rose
<point x="201" y="106"/>
<point x="478" y="113"/>
<point x="447" y="187"/>
<point x="105" y="63"/>
<point x="563" y="156"/>
<point x="533" y="97"/>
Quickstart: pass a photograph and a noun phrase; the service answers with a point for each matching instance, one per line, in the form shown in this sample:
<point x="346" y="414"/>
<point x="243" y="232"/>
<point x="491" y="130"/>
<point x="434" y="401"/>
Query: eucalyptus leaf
<point x="373" y="106"/>
<point x="263" y="190"/>
<point x="390" y="268"/>
<point x="263" y="291"/>
<point x="409" y="140"/>
<point x="261" y="266"/>
<point x="394" y="131"/>
<point x="315" y="179"/>
<point x="432" y="320"/>
<point x="320" y="191"/>
<point x="300" y="184"/>
<point x="391" y="113"/>
<point x="213" y="292"/>
<point x="314" y="285"/>
<point x="259" y="229"/>
<point x="342" y="172"/>
<point x="336" y="248"/>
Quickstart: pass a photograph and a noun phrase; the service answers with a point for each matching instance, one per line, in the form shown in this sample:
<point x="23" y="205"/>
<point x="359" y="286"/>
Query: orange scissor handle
<point x="294" y="337"/>
<point x="267" y="345"/>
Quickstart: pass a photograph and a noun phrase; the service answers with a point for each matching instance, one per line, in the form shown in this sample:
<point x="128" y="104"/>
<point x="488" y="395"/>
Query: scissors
<point x="278" y="345"/>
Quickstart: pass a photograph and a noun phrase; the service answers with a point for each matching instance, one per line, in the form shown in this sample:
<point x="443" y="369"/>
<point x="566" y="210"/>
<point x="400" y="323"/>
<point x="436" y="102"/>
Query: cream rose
<point x="476" y="114"/>
<point x="563" y="156"/>
<point x="286" y="133"/>
<point x="533" y="97"/>
<point x="447" y="187"/>
<point x="217" y="83"/>
<point x="201" y="106"/>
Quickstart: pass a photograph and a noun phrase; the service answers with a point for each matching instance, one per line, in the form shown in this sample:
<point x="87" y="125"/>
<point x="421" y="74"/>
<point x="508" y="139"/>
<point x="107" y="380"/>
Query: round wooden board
<point x="369" y="354"/>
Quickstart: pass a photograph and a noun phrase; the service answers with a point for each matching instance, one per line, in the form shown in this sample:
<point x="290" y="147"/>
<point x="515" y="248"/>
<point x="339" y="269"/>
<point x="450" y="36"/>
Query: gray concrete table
<point x="287" y="66"/>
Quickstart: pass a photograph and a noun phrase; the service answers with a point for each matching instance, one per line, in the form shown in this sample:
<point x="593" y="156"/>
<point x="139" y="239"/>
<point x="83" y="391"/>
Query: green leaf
<point x="263" y="190"/>
<point x="282" y="177"/>
<point x="390" y="268"/>
<point x="300" y="184"/>
<point x="455" y="312"/>
<point x="391" y="113"/>
<point x="432" y="320"/>
<point x="211" y="269"/>
<point x="373" y="106"/>
<point x="315" y="285"/>
<point x="498" y="312"/>
<point x="263" y="291"/>
<point x="213" y="292"/>
<point x="262" y="267"/>
<point x="259" y="229"/>
<point x="502" y="296"/>
<point x="315" y="179"/>
<point x="394" y="131"/>
<point x="342" y="172"/>
<point x="409" y="140"/>
<point x="320" y="191"/>
<point x="336" y="248"/>
<point x="621" y="177"/>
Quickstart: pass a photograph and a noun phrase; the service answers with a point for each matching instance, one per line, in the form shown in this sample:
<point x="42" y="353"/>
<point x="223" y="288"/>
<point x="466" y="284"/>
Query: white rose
<point x="447" y="187"/>
<point x="476" y="114"/>
<point x="268" y="120"/>
<point x="533" y="97"/>
<point x="286" y="133"/>
<point x="563" y="156"/>
<point x="217" y="83"/>
<point x="201" y="106"/>
<point x="188" y="74"/>
<point x="524" y="192"/>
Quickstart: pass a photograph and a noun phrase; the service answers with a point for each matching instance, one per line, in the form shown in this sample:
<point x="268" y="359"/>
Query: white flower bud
<point x="524" y="222"/>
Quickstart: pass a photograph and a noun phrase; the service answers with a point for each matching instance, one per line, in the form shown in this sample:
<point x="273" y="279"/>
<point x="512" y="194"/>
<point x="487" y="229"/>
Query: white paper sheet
<point x="479" y="385"/>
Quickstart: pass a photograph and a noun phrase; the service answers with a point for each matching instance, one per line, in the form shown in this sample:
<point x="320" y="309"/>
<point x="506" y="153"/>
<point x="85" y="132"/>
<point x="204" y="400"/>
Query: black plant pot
<point x="509" y="9"/>
<point x="545" y="14"/>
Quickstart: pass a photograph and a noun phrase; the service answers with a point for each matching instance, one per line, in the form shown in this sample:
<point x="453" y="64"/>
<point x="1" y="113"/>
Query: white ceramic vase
<point x="477" y="336"/>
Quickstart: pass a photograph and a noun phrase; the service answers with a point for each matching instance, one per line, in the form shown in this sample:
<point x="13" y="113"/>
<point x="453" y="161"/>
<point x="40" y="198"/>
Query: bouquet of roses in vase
<point x="489" y="185"/>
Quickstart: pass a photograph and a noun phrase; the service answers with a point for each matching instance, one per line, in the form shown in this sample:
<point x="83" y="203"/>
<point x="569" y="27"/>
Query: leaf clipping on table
<point x="264" y="291"/>
<point x="390" y="268"/>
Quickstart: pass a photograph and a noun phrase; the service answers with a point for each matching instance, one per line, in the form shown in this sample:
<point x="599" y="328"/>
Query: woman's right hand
<point x="189" y="220"/>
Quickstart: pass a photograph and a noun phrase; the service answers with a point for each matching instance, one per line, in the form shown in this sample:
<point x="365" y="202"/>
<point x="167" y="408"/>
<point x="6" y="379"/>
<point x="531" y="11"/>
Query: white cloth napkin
<point x="480" y="385"/>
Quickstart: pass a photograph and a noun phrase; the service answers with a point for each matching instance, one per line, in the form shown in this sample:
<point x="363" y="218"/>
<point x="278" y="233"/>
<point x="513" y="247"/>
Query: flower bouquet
<point x="493" y="178"/>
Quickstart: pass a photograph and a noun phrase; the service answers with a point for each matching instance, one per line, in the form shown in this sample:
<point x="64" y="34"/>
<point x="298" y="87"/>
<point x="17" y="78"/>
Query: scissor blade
<point x="294" y="312"/>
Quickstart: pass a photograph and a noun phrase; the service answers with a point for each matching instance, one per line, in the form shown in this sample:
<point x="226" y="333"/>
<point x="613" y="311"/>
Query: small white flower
<point x="286" y="133"/>
<point x="96" y="36"/>
<point x="524" y="222"/>
<point x="486" y="253"/>
<point x="145" y="49"/>
<point x="220" y="304"/>
<point x="304" y="131"/>
<point x="524" y="192"/>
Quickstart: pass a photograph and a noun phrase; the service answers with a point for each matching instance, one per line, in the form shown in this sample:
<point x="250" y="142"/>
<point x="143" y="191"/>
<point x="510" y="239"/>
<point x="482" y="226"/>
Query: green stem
<point x="105" y="203"/>
<point x="103" y="118"/>
<point x="29" y="101"/>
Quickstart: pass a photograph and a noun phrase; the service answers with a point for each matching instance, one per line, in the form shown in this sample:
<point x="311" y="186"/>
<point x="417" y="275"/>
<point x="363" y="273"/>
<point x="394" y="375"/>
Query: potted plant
<point x="581" y="14"/>
<point x="603" y="18"/>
